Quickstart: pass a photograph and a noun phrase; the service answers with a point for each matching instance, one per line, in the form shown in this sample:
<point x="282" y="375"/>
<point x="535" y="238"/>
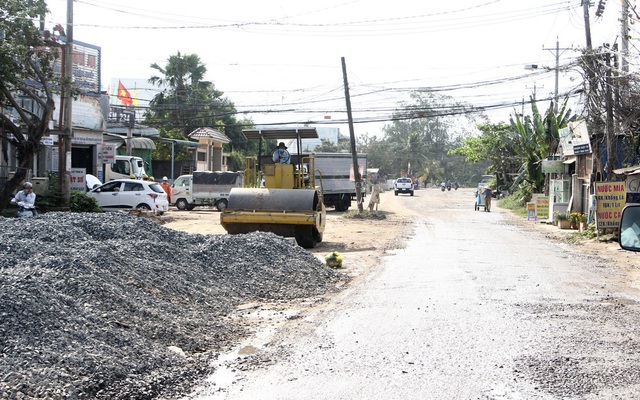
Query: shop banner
<point x="542" y="207"/>
<point x="78" y="182"/>
<point x="610" y="200"/>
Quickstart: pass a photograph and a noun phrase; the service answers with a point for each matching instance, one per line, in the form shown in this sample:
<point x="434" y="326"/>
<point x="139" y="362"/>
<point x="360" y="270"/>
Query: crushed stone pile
<point x="91" y="304"/>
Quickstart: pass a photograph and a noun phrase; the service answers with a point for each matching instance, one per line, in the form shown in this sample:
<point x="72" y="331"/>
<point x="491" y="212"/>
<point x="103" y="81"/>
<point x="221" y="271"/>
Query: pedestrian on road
<point x="167" y="188"/>
<point x="374" y="199"/>
<point x="486" y="193"/>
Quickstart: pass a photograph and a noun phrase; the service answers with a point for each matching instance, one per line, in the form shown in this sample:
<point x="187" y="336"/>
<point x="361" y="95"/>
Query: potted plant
<point x="575" y="218"/>
<point x="564" y="221"/>
<point x="583" y="222"/>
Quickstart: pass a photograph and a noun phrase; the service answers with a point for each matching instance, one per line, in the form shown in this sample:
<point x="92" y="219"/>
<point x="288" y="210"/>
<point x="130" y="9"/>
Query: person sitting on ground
<point x="281" y="155"/>
<point x="25" y="199"/>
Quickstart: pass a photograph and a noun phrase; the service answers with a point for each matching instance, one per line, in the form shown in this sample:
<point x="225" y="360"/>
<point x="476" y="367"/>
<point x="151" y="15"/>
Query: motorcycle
<point x="442" y="187"/>
<point x="449" y="187"/>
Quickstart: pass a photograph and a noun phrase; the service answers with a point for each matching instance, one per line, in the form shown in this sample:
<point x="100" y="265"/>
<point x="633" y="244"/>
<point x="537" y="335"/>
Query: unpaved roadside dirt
<point x="361" y="241"/>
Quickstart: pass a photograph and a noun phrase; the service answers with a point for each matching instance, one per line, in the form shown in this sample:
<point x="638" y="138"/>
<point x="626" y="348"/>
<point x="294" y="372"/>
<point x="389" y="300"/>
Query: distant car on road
<point x="128" y="194"/>
<point x="403" y="185"/>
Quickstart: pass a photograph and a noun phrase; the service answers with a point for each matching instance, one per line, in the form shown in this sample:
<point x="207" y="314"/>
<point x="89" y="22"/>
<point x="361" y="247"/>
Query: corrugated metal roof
<point x="210" y="133"/>
<point x="178" y="142"/>
<point x="281" y="133"/>
<point x="136" y="142"/>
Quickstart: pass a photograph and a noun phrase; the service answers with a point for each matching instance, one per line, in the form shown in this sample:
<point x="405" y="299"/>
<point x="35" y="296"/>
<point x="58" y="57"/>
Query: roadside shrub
<point x="514" y="203"/>
<point x="81" y="202"/>
<point x="51" y="198"/>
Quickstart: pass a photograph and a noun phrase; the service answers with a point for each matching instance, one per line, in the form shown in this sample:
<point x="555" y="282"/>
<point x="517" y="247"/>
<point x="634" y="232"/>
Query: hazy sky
<point x="280" y="61"/>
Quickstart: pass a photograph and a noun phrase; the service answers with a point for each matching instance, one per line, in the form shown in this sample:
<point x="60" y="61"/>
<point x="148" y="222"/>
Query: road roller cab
<point x="278" y="198"/>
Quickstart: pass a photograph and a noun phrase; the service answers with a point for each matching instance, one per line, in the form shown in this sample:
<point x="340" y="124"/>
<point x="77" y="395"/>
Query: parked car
<point x="92" y="182"/>
<point x="128" y="194"/>
<point x="403" y="185"/>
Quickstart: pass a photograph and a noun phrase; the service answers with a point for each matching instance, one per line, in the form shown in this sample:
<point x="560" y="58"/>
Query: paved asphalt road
<point x="474" y="307"/>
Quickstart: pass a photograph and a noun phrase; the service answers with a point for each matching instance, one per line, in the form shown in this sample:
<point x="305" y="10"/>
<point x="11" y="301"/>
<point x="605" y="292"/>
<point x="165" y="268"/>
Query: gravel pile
<point x="98" y="306"/>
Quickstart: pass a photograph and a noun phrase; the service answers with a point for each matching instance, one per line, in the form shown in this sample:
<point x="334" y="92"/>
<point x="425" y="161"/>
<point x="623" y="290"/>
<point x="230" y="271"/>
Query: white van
<point x="204" y="189"/>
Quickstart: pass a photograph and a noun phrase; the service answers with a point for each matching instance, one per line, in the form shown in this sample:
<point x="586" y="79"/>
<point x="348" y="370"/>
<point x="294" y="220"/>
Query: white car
<point x="128" y="194"/>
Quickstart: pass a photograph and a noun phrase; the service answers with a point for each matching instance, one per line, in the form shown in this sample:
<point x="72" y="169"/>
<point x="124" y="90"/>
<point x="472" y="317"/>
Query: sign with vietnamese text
<point x="542" y="207"/>
<point x="580" y="137"/>
<point x="78" y="182"/>
<point x="108" y="154"/>
<point x="610" y="200"/>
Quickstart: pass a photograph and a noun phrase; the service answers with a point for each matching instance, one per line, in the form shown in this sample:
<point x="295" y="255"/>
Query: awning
<point x="142" y="143"/>
<point x="178" y="142"/>
<point x="281" y="133"/>
<point x="569" y="160"/>
<point x="137" y="130"/>
<point x="628" y="170"/>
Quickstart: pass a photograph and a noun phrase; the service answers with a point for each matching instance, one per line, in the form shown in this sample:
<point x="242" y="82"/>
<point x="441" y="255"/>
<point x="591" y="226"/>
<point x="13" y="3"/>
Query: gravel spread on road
<point x="114" y="306"/>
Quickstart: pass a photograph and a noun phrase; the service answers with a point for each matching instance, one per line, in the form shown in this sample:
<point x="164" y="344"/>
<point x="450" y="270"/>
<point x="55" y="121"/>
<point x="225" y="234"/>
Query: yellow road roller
<point x="278" y="197"/>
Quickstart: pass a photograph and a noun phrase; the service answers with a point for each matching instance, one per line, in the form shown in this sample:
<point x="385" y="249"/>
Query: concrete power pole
<point x="64" y="156"/>
<point x="354" y="155"/>
<point x="557" y="54"/>
<point x="587" y="23"/>
<point x="624" y="62"/>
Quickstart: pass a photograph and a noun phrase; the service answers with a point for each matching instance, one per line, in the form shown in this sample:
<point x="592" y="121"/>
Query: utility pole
<point x="352" y="136"/>
<point x="64" y="156"/>
<point x="624" y="62"/>
<point x="557" y="71"/>
<point x="609" y="120"/>
<point x="587" y="23"/>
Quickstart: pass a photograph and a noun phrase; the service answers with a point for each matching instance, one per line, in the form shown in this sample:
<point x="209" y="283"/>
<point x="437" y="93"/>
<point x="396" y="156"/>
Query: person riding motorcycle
<point x="26" y="201"/>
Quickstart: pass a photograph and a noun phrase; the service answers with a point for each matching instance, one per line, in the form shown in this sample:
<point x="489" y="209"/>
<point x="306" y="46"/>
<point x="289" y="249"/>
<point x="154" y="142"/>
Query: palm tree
<point x="185" y="94"/>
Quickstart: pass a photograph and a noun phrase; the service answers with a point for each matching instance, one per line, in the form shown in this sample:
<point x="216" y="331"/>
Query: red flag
<point x="123" y="95"/>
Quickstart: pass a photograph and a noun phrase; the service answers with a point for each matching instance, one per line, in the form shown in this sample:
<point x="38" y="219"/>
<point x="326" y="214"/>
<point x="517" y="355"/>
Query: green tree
<point x="187" y="102"/>
<point x="326" y="146"/>
<point x="423" y="132"/>
<point x="26" y="97"/>
<point x="535" y="138"/>
<point x="493" y="150"/>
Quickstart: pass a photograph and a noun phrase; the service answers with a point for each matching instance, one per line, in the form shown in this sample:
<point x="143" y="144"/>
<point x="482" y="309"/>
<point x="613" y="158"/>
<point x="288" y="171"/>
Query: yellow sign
<point x="611" y="198"/>
<point x="542" y="207"/>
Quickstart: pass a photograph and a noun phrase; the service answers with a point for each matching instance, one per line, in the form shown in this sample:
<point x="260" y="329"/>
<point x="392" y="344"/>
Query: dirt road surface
<point x="445" y="303"/>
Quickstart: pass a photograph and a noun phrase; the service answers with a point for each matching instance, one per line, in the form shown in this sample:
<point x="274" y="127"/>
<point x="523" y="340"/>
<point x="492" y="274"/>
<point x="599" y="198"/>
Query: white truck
<point x="204" y="189"/>
<point x="124" y="167"/>
<point x="338" y="182"/>
<point x="403" y="185"/>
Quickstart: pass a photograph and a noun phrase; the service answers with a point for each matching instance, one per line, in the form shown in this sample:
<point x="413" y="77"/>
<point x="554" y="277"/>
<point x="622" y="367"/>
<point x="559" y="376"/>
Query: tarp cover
<point x="215" y="178"/>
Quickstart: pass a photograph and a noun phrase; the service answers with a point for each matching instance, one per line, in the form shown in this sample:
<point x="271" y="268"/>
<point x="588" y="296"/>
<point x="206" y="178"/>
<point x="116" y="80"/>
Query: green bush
<point x="81" y="202"/>
<point x="514" y="203"/>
